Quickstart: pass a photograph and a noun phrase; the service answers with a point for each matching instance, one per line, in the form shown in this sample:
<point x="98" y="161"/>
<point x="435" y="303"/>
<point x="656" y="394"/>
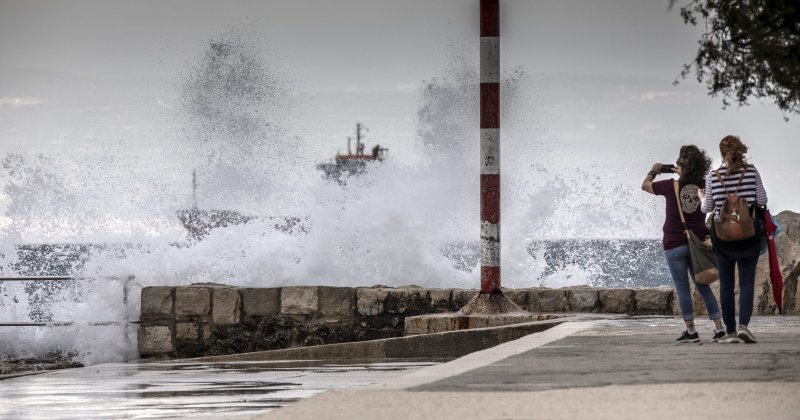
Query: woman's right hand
<point x="647" y="184"/>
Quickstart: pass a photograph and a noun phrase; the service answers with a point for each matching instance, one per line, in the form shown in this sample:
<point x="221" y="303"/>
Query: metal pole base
<point x="490" y="303"/>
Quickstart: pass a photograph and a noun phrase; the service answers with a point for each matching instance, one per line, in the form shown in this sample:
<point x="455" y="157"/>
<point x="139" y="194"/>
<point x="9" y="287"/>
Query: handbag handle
<point x="680" y="208"/>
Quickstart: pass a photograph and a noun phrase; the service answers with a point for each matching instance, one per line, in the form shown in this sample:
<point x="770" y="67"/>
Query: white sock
<point x="691" y="330"/>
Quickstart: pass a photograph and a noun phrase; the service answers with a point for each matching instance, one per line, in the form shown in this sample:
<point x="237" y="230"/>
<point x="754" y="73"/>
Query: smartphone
<point x="666" y="168"/>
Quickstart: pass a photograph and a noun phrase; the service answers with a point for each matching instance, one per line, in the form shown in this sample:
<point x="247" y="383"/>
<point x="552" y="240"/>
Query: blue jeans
<point x="727" y="284"/>
<point x="679" y="266"/>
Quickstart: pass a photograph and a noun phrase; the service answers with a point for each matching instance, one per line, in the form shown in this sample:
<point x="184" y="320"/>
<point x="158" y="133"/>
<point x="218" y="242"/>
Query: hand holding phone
<point x="667" y="168"/>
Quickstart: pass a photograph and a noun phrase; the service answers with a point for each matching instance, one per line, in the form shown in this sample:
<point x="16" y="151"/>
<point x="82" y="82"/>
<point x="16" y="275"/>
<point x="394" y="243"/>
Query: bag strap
<point x="738" y="184"/>
<point x="680" y="208"/>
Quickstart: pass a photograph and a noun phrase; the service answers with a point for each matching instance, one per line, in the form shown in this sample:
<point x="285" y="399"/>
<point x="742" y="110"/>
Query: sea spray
<point x="235" y="110"/>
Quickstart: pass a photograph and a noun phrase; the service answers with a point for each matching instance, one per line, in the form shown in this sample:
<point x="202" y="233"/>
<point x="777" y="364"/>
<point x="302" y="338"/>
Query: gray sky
<point x="600" y="75"/>
<point x="343" y="44"/>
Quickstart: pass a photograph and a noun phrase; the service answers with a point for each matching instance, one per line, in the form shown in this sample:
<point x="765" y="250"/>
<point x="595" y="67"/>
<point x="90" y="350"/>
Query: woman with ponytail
<point x="738" y="177"/>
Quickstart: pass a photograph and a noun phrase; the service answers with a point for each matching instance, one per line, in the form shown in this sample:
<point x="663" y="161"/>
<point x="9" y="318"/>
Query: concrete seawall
<point x="211" y="319"/>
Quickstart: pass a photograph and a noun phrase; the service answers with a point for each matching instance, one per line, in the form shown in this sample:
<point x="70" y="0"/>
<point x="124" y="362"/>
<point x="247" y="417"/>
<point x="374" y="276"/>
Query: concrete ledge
<point x="454" y="321"/>
<point x="443" y="345"/>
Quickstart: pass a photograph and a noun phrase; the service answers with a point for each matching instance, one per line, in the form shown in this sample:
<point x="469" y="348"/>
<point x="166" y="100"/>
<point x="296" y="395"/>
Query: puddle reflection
<point x="164" y="390"/>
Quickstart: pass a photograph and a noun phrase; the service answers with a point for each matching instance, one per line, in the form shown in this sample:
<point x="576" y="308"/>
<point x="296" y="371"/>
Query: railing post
<point x="125" y="316"/>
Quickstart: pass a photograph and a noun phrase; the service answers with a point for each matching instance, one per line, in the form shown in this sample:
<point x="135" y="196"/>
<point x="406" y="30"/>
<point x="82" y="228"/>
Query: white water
<point x="234" y="123"/>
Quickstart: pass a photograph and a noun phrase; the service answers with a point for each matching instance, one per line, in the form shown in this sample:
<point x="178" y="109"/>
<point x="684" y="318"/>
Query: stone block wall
<point x="212" y="319"/>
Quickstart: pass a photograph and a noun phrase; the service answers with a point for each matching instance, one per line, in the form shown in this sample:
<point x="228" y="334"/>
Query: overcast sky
<point x="343" y="44"/>
<point x="600" y="74"/>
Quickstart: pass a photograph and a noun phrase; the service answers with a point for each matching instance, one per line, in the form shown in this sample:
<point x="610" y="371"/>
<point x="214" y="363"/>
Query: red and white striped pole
<point x="490" y="146"/>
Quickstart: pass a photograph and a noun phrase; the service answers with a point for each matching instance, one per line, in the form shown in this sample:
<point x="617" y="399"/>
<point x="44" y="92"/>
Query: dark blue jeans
<point x="727" y="284"/>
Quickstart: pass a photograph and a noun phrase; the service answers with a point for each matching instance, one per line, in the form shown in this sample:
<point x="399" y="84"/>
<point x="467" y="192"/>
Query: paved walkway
<point x="619" y="368"/>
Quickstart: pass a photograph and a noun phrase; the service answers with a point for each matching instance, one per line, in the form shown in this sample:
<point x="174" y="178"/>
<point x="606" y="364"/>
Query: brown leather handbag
<point x="736" y="223"/>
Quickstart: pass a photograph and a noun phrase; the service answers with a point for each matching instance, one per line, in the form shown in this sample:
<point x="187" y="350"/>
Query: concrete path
<point x="620" y="369"/>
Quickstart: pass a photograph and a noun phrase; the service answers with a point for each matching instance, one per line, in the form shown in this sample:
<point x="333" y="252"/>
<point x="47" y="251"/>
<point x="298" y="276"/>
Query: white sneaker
<point x="729" y="338"/>
<point x="746" y="335"/>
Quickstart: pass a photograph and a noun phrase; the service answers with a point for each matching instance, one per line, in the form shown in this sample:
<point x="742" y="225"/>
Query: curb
<point x="444" y="345"/>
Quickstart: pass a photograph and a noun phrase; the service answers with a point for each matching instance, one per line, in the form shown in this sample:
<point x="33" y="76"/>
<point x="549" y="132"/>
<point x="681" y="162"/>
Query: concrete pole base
<point x="489" y="304"/>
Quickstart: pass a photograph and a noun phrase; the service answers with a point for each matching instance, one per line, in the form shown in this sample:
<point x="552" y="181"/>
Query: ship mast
<point x="194" y="188"/>
<point x="359" y="147"/>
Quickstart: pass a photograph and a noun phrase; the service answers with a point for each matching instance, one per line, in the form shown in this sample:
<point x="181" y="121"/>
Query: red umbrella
<point x="775" y="275"/>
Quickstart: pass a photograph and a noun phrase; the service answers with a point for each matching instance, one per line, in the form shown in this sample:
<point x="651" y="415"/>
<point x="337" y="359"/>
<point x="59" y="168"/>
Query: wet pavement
<point x="640" y="351"/>
<point x="167" y="390"/>
<point x="593" y="368"/>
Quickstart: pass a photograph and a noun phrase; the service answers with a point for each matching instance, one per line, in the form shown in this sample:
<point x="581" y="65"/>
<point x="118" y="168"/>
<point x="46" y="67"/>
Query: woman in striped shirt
<point x="735" y="173"/>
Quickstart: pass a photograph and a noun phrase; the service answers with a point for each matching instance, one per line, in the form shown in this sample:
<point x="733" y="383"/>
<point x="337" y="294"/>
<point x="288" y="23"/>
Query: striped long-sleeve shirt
<point x="751" y="188"/>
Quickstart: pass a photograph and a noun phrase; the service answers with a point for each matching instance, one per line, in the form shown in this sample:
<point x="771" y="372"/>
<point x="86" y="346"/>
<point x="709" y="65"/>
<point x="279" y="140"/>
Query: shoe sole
<point x="748" y="338"/>
<point x="729" y="341"/>
<point x="694" y="340"/>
